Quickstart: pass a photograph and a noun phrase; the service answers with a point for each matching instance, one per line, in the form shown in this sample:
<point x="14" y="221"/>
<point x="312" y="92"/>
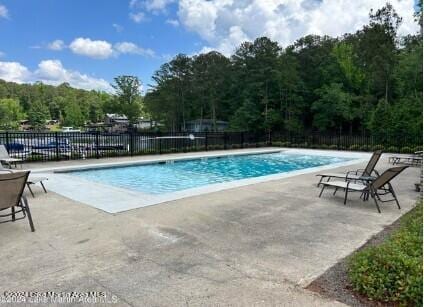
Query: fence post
<point x="56" y="137"/>
<point x="7" y="140"/>
<point x="131" y="143"/>
<point x="206" y="140"/>
<point x="160" y="145"/>
<point x="97" y="145"/>
<point x="270" y="138"/>
<point x="242" y="139"/>
<point x="225" y="140"/>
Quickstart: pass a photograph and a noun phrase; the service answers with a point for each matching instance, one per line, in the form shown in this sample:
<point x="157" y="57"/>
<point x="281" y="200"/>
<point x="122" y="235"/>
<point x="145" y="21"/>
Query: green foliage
<point x="392" y="149"/>
<point x="378" y="147"/>
<point x="10" y="113"/>
<point x="55" y="99"/>
<point x="128" y="96"/>
<point x="38" y="114"/>
<point x="73" y="115"/>
<point x="393" y="271"/>
<point x="406" y="149"/>
<point x="355" y="147"/>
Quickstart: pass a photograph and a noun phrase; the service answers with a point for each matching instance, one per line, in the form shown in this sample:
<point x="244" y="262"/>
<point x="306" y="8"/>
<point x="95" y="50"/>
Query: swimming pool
<point x="174" y="176"/>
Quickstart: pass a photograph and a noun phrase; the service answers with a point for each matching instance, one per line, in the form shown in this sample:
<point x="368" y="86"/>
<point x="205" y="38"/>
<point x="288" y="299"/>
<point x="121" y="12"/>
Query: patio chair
<point x="375" y="188"/>
<point x="6" y="159"/>
<point x="415" y="159"/>
<point x="32" y="180"/>
<point x="369" y="170"/>
<point x="11" y="189"/>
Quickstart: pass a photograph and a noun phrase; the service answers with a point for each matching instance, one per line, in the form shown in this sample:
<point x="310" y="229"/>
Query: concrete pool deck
<point x="253" y="245"/>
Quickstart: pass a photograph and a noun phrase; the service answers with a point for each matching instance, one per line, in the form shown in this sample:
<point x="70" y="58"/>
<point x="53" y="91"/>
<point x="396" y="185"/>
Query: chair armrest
<point x="348" y="173"/>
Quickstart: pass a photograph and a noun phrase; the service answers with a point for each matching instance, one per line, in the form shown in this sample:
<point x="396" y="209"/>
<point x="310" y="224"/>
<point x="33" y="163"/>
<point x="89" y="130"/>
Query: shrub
<point x="392" y="271"/>
<point x="333" y="147"/>
<point x="418" y="148"/>
<point x="354" y="147"/>
<point x="378" y="147"/>
<point x="365" y="148"/>
<point x="323" y="146"/>
<point x="406" y="149"/>
<point x="392" y="149"/>
<point x="285" y="144"/>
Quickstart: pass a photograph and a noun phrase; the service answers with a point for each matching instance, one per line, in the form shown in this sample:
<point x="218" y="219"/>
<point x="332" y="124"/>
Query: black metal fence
<point x="47" y="146"/>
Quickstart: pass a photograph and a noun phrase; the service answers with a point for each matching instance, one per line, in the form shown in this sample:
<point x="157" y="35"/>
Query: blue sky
<point x="88" y="42"/>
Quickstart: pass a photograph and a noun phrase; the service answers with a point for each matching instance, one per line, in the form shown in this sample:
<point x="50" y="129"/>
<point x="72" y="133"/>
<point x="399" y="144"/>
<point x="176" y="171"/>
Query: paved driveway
<point x="253" y="245"/>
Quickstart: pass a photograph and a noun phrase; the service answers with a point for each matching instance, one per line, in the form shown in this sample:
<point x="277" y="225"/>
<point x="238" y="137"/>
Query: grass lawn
<point x="393" y="270"/>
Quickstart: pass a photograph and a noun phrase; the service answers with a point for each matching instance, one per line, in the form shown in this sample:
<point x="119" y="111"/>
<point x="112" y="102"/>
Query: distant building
<point x="25" y="125"/>
<point x="116" y="122"/>
<point x="202" y="125"/>
<point x="145" y="123"/>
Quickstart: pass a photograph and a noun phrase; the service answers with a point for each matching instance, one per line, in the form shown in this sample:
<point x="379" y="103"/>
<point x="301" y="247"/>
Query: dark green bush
<point x="406" y="149"/>
<point x="333" y="147"/>
<point x="323" y="146"/>
<point x="378" y="147"/>
<point x="393" y="270"/>
<point x="418" y="148"/>
<point x="355" y="147"/>
<point x="392" y="149"/>
<point x="365" y="148"/>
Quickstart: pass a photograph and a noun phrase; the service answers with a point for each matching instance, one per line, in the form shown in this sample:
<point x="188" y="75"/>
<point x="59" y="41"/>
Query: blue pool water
<point x="182" y="175"/>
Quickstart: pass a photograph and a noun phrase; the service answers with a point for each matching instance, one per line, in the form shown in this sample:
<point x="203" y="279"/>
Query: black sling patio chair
<point x="12" y="186"/>
<point x="369" y="170"/>
<point x="377" y="188"/>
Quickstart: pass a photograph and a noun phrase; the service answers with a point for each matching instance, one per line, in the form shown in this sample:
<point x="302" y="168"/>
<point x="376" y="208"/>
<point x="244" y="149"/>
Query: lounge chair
<point x="369" y="170"/>
<point x="31" y="180"/>
<point x="6" y="159"/>
<point x="414" y="160"/>
<point x="12" y="186"/>
<point x="376" y="188"/>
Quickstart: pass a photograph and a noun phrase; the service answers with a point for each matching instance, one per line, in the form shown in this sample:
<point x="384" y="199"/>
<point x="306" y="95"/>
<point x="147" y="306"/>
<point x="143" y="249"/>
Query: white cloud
<point x="224" y="24"/>
<point x="2" y="54"/>
<point x="56" y="45"/>
<point x="131" y="48"/>
<point x="4" y="13"/>
<point x="51" y="72"/>
<point x="173" y="22"/>
<point x="138" y="17"/>
<point x="157" y="5"/>
<point x="118" y="28"/>
<point x="97" y="49"/>
<point x="14" y="72"/>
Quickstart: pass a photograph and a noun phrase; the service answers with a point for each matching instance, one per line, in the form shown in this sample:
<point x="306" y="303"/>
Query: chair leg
<point x="345" y="199"/>
<point x="13" y="214"/>
<point x="29" y="188"/>
<point x="322" y="190"/>
<point x="322" y="177"/>
<point x="394" y="195"/>
<point x="44" y="188"/>
<point x="31" y="224"/>
<point x="335" y="191"/>
<point x="373" y="196"/>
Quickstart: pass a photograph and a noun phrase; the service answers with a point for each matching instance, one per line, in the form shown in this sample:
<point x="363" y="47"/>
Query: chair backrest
<point x="3" y="152"/>
<point x="12" y="186"/>
<point x="372" y="162"/>
<point x="387" y="176"/>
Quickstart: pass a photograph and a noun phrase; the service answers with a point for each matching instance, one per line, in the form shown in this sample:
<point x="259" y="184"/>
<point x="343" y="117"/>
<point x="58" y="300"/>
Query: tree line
<point x="39" y="102"/>
<point x="368" y="81"/>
